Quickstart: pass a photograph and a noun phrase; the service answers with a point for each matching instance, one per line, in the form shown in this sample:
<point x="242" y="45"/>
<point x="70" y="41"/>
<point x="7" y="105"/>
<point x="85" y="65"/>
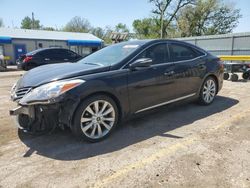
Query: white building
<point x="15" y="42"/>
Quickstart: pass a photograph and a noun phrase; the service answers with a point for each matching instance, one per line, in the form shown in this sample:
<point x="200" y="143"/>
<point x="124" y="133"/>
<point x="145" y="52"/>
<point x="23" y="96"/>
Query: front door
<point x="151" y="86"/>
<point x="19" y="49"/>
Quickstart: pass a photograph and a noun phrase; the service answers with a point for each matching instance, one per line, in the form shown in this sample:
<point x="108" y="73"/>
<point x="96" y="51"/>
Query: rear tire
<point x="29" y="66"/>
<point x="234" y="77"/>
<point x="208" y="91"/>
<point x="226" y="76"/>
<point x="246" y="75"/>
<point x="95" y="119"/>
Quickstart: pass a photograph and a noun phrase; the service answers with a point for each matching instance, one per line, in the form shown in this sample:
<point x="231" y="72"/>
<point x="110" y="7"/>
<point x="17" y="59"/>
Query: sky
<point x="100" y="13"/>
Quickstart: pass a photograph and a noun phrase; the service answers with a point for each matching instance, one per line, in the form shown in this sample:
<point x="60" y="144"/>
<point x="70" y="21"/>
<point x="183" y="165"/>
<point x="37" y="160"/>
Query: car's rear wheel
<point x="234" y="77"/>
<point x="208" y="91"/>
<point x="226" y="76"/>
<point x="95" y="118"/>
<point x="29" y="66"/>
<point x="246" y="75"/>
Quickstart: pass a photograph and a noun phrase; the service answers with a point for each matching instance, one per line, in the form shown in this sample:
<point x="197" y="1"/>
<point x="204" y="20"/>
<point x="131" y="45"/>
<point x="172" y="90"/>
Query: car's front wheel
<point x="208" y="91"/>
<point x="95" y="118"/>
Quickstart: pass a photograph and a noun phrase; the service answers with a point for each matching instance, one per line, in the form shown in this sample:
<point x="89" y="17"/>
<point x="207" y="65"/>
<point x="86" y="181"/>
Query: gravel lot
<point x="180" y="145"/>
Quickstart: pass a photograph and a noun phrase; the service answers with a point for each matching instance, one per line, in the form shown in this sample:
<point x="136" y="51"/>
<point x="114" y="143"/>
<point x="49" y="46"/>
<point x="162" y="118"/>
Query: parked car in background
<point x="46" y="56"/>
<point x="93" y="95"/>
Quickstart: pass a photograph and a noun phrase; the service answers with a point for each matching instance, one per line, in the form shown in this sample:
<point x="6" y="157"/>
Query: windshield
<point x="110" y="55"/>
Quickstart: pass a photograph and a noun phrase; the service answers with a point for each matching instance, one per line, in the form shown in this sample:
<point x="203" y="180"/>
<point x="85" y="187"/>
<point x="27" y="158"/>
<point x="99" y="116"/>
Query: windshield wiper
<point x="94" y="64"/>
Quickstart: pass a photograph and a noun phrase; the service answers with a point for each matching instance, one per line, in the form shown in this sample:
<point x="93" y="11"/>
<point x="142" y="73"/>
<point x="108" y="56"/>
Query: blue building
<point x="15" y="42"/>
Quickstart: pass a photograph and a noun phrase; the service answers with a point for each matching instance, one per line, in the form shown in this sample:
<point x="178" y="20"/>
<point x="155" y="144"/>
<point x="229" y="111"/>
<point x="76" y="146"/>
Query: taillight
<point x="27" y="59"/>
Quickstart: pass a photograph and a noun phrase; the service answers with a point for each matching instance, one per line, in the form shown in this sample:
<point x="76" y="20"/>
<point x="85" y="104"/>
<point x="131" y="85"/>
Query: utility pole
<point x="161" y="24"/>
<point x="33" y="21"/>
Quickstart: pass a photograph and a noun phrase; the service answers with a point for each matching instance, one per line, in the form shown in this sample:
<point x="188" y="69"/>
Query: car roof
<point x="149" y="41"/>
<point x="152" y="41"/>
<point x="44" y="49"/>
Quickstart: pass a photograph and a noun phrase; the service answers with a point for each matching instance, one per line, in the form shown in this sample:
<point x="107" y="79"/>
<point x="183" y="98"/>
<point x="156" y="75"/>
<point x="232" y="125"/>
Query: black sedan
<point x="93" y="95"/>
<point x="46" y="56"/>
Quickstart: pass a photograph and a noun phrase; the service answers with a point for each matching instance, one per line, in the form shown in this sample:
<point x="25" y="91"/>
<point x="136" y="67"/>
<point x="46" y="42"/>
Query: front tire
<point x="95" y="118"/>
<point x="208" y="91"/>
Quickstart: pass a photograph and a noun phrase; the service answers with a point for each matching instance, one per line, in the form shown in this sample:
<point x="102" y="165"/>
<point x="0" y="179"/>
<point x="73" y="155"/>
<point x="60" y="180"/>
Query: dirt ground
<point x="180" y="145"/>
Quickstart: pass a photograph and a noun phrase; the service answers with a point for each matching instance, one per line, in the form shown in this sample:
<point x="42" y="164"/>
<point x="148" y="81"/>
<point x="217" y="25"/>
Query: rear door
<point x="60" y="55"/>
<point x="64" y="55"/>
<point x="153" y="85"/>
<point x="49" y="56"/>
<point x="189" y="66"/>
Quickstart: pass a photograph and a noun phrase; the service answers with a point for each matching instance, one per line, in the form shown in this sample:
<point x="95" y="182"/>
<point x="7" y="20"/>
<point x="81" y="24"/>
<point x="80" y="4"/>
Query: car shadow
<point x="61" y="145"/>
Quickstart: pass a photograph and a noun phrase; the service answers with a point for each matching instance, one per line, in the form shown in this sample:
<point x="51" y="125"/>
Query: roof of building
<point x="46" y="35"/>
<point x="229" y="35"/>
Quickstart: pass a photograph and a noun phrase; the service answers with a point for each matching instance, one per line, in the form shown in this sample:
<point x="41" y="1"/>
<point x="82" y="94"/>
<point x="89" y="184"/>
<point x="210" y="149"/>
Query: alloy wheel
<point x="97" y="119"/>
<point x="209" y="91"/>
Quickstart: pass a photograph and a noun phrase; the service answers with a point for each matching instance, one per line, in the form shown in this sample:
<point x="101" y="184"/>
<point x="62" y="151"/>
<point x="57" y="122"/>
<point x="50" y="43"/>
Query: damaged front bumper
<point x="23" y="110"/>
<point x="36" y="118"/>
<point x="44" y="117"/>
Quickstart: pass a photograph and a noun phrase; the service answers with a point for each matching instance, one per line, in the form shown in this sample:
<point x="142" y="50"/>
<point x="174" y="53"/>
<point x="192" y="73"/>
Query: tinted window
<point x="70" y="54"/>
<point x="181" y="52"/>
<point x="60" y="53"/>
<point x="158" y="53"/>
<point x="47" y="53"/>
<point x="34" y="52"/>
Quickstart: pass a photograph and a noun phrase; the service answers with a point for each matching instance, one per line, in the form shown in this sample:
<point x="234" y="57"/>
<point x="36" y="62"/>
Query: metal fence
<point x="228" y="44"/>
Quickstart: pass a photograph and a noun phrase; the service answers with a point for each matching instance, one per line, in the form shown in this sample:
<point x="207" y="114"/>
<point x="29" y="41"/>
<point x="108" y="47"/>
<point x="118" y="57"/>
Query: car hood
<point x="48" y="73"/>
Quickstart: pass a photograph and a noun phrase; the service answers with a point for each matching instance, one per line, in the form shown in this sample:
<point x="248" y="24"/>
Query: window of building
<point x="40" y="45"/>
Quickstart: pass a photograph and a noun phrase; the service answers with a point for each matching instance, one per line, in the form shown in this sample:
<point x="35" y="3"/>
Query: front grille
<point x="19" y="93"/>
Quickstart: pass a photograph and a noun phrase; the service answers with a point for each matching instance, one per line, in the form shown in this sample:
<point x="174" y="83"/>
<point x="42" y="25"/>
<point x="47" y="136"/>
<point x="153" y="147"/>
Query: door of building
<point x="19" y="49"/>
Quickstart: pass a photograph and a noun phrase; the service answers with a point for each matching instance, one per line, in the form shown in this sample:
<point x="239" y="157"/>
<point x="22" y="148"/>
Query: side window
<point x="46" y="54"/>
<point x="71" y="55"/>
<point x="158" y="53"/>
<point x="181" y="52"/>
<point x="60" y="53"/>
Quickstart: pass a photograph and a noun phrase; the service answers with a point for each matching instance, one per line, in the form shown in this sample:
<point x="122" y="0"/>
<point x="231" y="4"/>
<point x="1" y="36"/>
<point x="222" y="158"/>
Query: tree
<point x="28" y="23"/>
<point x="207" y="17"/>
<point x="121" y="28"/>
<point x="146" y="28"/>
<point x="225" y="19"/>
<point x="1" y="22"/>
<point x="165" y="12"/>
<point x="78" y="24"/>
<point x="48" y="28"/>
<point x="99" y="32"/>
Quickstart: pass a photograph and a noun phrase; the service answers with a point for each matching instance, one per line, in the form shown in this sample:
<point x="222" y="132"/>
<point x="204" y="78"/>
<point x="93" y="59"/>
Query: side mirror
<point x="143" y="62"/>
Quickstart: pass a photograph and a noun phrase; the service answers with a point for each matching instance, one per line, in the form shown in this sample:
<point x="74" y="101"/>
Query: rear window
<point x="34" y="52"/>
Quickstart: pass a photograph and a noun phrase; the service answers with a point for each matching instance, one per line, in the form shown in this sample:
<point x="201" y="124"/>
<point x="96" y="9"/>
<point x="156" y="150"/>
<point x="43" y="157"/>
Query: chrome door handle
<point x="169" y="73"/>
<point x="46" y="59"/>
<point x="66" y="59"/>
